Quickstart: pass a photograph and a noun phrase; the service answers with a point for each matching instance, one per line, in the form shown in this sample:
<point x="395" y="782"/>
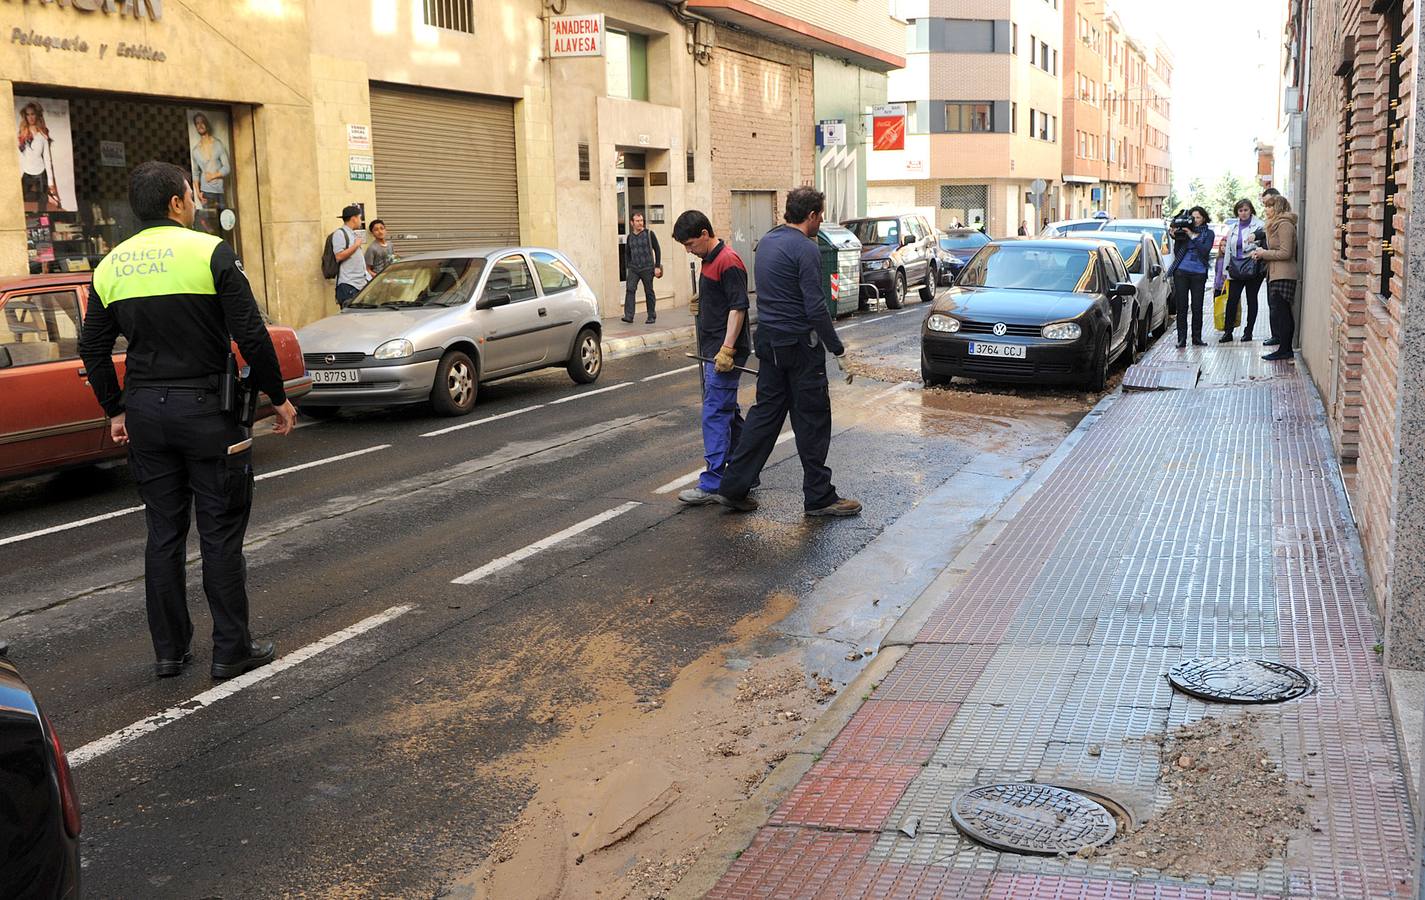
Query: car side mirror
<point x="1155" y="270"/>
<point x="5" y="360"/>
<point x="907" y="240"/>
<point x="1124" y="289"/>
<point x="493" y="300"/>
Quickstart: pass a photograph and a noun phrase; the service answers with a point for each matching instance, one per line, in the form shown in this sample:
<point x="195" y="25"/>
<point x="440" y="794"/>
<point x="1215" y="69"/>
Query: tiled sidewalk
<point x="1191" y="522"/>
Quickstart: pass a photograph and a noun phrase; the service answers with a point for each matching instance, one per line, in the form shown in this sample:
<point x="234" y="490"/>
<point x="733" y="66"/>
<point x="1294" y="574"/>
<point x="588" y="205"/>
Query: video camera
<point x="1183" y="219"/>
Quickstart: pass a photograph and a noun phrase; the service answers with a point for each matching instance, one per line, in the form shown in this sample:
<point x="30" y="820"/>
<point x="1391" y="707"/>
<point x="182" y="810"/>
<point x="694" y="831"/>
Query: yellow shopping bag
<point x="1219" y="308"/>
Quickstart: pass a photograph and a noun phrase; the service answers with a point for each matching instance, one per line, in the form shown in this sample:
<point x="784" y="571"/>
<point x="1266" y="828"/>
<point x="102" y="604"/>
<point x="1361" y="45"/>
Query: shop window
<point x="76" y="153"/>
<point x="626" y="64"/>
<point x="41" y="328"/>
<point x="456" y="15"/>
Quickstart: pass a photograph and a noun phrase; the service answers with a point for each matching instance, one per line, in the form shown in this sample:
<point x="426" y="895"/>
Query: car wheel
<point x="587" y="360"/>
<point x="318" y="412"/>
<point x="1097" y="378"/>
<point x="1130" y="342"/>
<point x="927" y="290"/>
<point x="1158" y="331"/>
<point x="456" y="384"/>
<point x="930" y="379"/>
<point x="897" y="297"/>
<point x="1144" y="337"/>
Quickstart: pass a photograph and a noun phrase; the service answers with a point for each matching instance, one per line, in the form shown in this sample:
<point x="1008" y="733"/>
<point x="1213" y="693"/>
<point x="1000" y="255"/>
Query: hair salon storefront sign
<point x="153" y="9"/>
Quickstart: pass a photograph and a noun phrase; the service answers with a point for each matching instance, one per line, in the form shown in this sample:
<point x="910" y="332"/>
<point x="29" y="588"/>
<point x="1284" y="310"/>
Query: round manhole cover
<point x="1238" y="680"/>
<point x="1032" y="818"/>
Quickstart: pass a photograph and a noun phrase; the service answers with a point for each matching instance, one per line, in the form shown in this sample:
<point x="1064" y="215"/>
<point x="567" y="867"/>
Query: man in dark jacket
<point x="643" y="260"/>
<point x="794" y="331"/>
<point x="180" y="297"/>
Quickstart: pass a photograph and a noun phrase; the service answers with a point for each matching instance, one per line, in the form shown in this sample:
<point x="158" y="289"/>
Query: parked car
<point x="1158" y="228"/>
<point x="436" y="325"/>
<point x="1149" y="275"/>
<point x="1037" y="311"/>
<point x="897" y="252"/>
<point x="39" y="806"/>
<point x="49" y="418"/>
<point x="956" y="247"/>
<point x="1070" y="226"/>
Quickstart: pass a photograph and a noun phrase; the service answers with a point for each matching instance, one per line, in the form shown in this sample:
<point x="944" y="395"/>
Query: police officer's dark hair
<point x="151" y="185"/>
<point x="802" y="202"/>
<point x="1271" y="192"/>
<point x="692" y="224"/>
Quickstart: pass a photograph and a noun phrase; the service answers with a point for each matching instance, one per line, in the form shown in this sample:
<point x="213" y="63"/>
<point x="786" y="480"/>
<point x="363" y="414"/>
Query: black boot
<point x="1226" y="338"/>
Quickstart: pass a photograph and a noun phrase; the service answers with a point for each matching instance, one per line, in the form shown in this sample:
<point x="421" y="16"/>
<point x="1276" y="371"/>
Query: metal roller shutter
<point x="445" y="168"/>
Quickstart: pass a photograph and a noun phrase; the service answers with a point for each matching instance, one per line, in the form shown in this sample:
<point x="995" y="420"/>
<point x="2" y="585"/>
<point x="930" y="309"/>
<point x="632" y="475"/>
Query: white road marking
<point x="676" y="483"/>
<point x="504" y="415"/>
<point x="119" y="738"/>
<point x="878" y="319"/>
<point x="16" y="538"/>
<point x="612" y="387"/>
<point x="524" y="553"/>
<point x="320" y="462"/>
<point x="904" y="311"/>
<point x="670" y="372"/>
<point x="848" y="327"/>
<point x="80" y="523"/>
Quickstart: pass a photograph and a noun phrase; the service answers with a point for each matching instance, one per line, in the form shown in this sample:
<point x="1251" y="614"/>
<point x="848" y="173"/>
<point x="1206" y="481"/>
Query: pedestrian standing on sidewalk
<point x="1192" y="248"/>
<point x="1245" y="274"/>
<point x="722" y="337"/>
<point x="643" y="260"/>
<point x="794" y="331"/>
<point x="1282" y="273"/>
<point x="381" y="253"/>
<point x="351" y="275"/>
<point x="180" y="296"/>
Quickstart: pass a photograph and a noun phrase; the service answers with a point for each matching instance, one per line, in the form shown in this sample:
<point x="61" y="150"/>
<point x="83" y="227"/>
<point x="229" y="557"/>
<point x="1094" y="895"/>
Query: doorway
<point x="753" y="215"/>
<point x="630" y="191"/>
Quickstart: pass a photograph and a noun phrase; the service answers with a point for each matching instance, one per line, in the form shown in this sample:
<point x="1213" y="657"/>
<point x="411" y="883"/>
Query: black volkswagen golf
<point x="1036" y="311"/>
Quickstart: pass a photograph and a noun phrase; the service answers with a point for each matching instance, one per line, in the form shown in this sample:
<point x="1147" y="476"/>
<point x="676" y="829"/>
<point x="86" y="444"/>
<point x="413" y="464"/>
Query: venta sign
<point x="577" y="35"/>
<point x="152" y="9"/>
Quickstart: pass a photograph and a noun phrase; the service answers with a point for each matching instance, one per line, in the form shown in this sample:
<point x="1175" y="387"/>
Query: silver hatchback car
<point x="435" y="325"/>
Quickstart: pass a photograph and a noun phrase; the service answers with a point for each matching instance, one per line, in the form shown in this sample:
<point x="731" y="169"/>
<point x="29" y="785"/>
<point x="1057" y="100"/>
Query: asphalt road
<point x="436" y="598"/>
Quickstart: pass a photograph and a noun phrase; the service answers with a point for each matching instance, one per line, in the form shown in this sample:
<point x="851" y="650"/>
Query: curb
<point x="616" y="348"/>
<point x="740" y="830"/>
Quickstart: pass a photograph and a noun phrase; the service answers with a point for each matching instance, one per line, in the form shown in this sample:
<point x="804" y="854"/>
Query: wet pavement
<point x="1207" y="520"/>
<point x="392" y="754"/>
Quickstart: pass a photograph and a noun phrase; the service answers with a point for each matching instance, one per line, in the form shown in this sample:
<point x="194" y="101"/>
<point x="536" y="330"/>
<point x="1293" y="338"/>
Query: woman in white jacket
<point x="38" y="183"/>
<point x="1246" y="234"/>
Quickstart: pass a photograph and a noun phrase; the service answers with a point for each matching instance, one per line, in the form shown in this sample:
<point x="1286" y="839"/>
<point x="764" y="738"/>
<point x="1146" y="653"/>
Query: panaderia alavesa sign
<point x="139" y="9"/>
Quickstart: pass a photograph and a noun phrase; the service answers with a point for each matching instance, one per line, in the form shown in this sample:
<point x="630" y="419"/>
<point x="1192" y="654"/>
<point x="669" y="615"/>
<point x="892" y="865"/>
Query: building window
<point x="1394" y="27"/>
<point x="969" y="117"/>
<point x="584" y="162"/>
<point x="692" y="168"/>
<point x="1014" y="118"/>
<point x="457" y="15"/>
<point x="1014" y="38"/>
<point x="626" y="65"/>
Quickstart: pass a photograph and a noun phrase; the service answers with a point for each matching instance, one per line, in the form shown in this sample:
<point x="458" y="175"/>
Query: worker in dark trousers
<point x="178" y="295"/>
<point x="794" y="331"/>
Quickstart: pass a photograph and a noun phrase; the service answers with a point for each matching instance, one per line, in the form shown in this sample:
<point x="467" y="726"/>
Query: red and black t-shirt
<point x="722" y="287"/>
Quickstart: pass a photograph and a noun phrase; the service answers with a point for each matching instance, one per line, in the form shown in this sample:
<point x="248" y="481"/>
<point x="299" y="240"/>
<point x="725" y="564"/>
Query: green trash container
<point x="840" y="269"/>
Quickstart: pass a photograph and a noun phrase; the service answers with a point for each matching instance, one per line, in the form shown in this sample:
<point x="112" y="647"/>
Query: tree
<point x="1171" y="203"/>
<point x="1225" y="194"/>
<point x="1197" y="194"/>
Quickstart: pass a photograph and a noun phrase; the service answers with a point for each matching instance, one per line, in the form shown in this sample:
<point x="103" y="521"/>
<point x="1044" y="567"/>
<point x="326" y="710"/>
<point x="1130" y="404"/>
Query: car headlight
<point x="873" y="264"/>
<point x="946" y="324"/>
<point x="397" y="349"/>
<point x="1063" y="331"/>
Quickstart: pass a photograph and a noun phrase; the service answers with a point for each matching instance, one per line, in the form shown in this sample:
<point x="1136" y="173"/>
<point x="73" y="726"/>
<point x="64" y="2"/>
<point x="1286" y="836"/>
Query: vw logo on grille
<point x="1000" y="329"/>
<point x="331" y="357"/>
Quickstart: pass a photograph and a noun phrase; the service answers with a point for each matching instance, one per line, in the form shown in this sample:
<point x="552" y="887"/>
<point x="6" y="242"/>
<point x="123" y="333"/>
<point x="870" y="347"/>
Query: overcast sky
<point x="1225" y="89"/>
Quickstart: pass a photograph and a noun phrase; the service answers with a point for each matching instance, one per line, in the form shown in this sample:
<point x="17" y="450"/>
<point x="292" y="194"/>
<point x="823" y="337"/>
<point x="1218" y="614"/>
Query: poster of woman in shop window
<point x="208" y="141"/>
<point x="46" y="155"/>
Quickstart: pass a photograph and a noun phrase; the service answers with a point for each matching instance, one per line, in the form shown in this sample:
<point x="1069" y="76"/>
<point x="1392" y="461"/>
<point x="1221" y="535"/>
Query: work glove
<point x="693" y="306"/>
<point x="723" y="361"/>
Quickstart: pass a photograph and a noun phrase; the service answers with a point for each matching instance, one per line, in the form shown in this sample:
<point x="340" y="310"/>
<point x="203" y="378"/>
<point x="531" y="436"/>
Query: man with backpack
<point x="342" y="258"/>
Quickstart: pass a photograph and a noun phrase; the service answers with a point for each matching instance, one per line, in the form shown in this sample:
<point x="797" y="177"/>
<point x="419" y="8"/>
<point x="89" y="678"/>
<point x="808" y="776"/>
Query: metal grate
<point x="456" y="15"/>
<point x="968" y="327"/>
<point x="331" y="359"/>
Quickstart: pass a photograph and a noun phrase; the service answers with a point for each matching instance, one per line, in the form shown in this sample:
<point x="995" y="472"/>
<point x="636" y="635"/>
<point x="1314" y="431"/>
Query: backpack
<point x="331" y="266"/>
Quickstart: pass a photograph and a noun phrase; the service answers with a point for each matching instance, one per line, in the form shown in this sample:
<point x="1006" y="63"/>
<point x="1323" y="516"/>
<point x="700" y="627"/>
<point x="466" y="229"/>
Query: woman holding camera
<point x="1245" y="275"/>
<point x="1192" y="248"/>
<point x="1280" y="257"/>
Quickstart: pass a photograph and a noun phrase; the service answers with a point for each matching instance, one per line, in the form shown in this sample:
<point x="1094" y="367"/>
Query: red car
<point x="49" y="418"/>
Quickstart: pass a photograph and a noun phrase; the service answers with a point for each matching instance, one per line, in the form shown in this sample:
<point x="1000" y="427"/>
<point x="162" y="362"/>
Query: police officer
<point x="176" y="295"/>
<point x="794" y="331"/>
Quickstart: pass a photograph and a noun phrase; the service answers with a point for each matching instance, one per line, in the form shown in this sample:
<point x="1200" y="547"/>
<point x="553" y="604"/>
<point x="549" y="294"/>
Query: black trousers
<point x="1236" y="289"/>
<point x="35" y="189"/>
<point x="1189" y="286"/>
<point x="630" y="293"/>
<point x="178" y="451"/>
<point x="1280" y="294"/>
<point x="791" y="380"/>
